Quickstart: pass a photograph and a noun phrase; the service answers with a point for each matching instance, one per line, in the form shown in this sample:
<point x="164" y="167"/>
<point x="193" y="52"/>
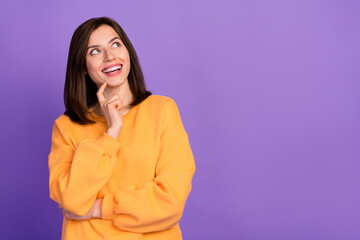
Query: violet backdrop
<point x="268" y="92"/>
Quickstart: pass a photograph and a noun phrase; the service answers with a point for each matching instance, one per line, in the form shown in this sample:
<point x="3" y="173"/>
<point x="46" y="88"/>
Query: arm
<point x="157" y="205"/>
<point x="77" y="173"/>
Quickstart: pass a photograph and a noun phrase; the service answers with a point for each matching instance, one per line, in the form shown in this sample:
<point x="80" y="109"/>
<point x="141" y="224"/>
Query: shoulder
<point x="165" y="111"/>
<point x="159" y="104"/>
<point x="159" y="100"/>
<point x="64" y="120"/>
<point x="64" y="124"/>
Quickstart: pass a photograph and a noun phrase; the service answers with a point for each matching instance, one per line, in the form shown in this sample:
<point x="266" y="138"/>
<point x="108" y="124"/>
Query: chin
<point x="115" y="83"/>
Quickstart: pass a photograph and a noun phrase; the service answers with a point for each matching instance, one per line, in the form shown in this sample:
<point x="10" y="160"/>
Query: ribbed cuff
<point x="110" y="145"/>
<point x="108" y="206"/>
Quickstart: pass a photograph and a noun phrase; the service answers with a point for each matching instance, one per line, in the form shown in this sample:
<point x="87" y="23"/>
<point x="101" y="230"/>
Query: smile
<point x="112" y="70"/>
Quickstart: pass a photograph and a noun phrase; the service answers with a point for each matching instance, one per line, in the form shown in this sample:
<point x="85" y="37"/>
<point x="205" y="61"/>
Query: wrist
<point x="113" y="132"/>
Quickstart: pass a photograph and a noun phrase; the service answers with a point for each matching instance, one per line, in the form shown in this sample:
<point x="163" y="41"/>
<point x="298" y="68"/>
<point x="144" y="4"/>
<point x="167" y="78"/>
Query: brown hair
<point x="80" y="90"/>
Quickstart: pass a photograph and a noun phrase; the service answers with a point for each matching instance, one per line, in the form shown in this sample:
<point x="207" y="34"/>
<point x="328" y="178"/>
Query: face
<point x="107" y="59"/>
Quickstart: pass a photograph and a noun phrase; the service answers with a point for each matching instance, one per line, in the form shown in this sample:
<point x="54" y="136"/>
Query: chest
<point x="138" y="154"/>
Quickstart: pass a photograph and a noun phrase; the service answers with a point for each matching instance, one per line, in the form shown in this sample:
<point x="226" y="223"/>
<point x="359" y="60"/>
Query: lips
<point x="112" y="70"/>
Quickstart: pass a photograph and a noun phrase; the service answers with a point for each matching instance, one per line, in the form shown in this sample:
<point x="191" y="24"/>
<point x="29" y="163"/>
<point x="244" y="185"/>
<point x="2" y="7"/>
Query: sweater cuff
<point x="110" y="145"/>
<point x="107" y="208"/>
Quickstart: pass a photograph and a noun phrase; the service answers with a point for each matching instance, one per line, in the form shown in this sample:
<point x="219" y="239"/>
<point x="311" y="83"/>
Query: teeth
<point x="112" y="69"/>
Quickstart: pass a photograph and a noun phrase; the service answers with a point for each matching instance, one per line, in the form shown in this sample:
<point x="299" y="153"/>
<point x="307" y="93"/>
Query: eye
<point x="116" y="44"/>
<point x="94" y="51"/>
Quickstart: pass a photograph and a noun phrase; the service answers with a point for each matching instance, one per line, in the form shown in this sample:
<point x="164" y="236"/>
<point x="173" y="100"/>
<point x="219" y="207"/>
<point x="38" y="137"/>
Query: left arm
<point x="155" y="205"/>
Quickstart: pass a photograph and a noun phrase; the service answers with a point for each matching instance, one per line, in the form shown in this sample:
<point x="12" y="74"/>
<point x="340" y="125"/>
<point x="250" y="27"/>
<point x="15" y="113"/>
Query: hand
<point x="94" y="212"/>
<point x="111" y="108"/>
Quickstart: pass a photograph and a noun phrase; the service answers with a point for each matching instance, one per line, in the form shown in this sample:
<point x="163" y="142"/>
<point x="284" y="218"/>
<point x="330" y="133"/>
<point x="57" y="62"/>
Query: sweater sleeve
<point x="77" y="173"/>
<point x="158" y="204"/>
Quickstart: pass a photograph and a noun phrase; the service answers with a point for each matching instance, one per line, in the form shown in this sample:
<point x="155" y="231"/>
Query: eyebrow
<point x="93" y="46"/>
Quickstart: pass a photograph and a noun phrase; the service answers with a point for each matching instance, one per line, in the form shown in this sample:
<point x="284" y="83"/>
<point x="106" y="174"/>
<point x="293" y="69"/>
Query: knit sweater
<point x="144" y="177"/>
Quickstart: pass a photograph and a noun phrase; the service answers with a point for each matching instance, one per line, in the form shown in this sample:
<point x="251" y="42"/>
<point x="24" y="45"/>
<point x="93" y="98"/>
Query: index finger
<point x="100" y="93"/>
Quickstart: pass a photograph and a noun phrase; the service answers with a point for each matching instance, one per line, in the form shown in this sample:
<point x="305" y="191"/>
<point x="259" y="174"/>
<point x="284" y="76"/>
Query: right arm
<point x="77" y="173"/>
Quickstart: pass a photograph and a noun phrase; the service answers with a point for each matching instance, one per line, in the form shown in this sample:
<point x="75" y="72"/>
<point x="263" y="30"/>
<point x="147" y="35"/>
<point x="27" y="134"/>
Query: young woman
<point x="120" y="162"/>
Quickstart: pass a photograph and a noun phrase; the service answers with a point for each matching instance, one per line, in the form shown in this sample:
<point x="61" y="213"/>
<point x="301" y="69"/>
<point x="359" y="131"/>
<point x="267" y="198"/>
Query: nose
<point x="108" y="56"/>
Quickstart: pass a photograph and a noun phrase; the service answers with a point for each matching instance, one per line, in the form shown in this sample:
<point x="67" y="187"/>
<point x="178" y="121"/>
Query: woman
<point x="120" y="162"/>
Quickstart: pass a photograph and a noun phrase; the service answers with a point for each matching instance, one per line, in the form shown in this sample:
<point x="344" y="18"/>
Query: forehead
<point x="102" y="35"/>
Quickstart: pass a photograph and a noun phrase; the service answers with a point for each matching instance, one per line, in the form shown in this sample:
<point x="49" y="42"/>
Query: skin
<point x="105" y="48"/>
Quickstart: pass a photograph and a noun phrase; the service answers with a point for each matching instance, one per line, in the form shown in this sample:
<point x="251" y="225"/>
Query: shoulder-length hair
<point x="80" y="90"/>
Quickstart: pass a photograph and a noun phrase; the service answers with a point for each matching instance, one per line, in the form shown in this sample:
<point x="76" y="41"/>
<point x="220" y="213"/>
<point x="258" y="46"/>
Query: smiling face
<point x="107" y="59"/>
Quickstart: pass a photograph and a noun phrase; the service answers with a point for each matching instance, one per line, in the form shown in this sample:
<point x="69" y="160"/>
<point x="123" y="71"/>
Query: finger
<point x="118" y="106"/>
<point x="104" y="108"/>
<point x="113" y="99"/>
<point x="115" y="104"/>
<point x="69" y="216"/>
<point x="114" y="109"/>
<point x="72" y="216"/>
<point x="100" y="93"/>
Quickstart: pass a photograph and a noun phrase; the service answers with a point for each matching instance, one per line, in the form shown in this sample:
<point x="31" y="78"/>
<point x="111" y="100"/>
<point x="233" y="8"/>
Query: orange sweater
<point x="144" y="177"/>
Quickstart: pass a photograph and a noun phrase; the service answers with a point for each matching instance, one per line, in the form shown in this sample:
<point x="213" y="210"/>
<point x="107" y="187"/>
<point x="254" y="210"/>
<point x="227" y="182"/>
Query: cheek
<point x="124" y="54"/>
<point x="127" y="57"/>
<point x="92" y="70"/>
<point x="89" y="66"/>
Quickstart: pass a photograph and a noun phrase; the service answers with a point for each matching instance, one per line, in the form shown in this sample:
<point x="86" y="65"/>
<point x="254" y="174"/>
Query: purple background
<point x="268" y="92"/>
